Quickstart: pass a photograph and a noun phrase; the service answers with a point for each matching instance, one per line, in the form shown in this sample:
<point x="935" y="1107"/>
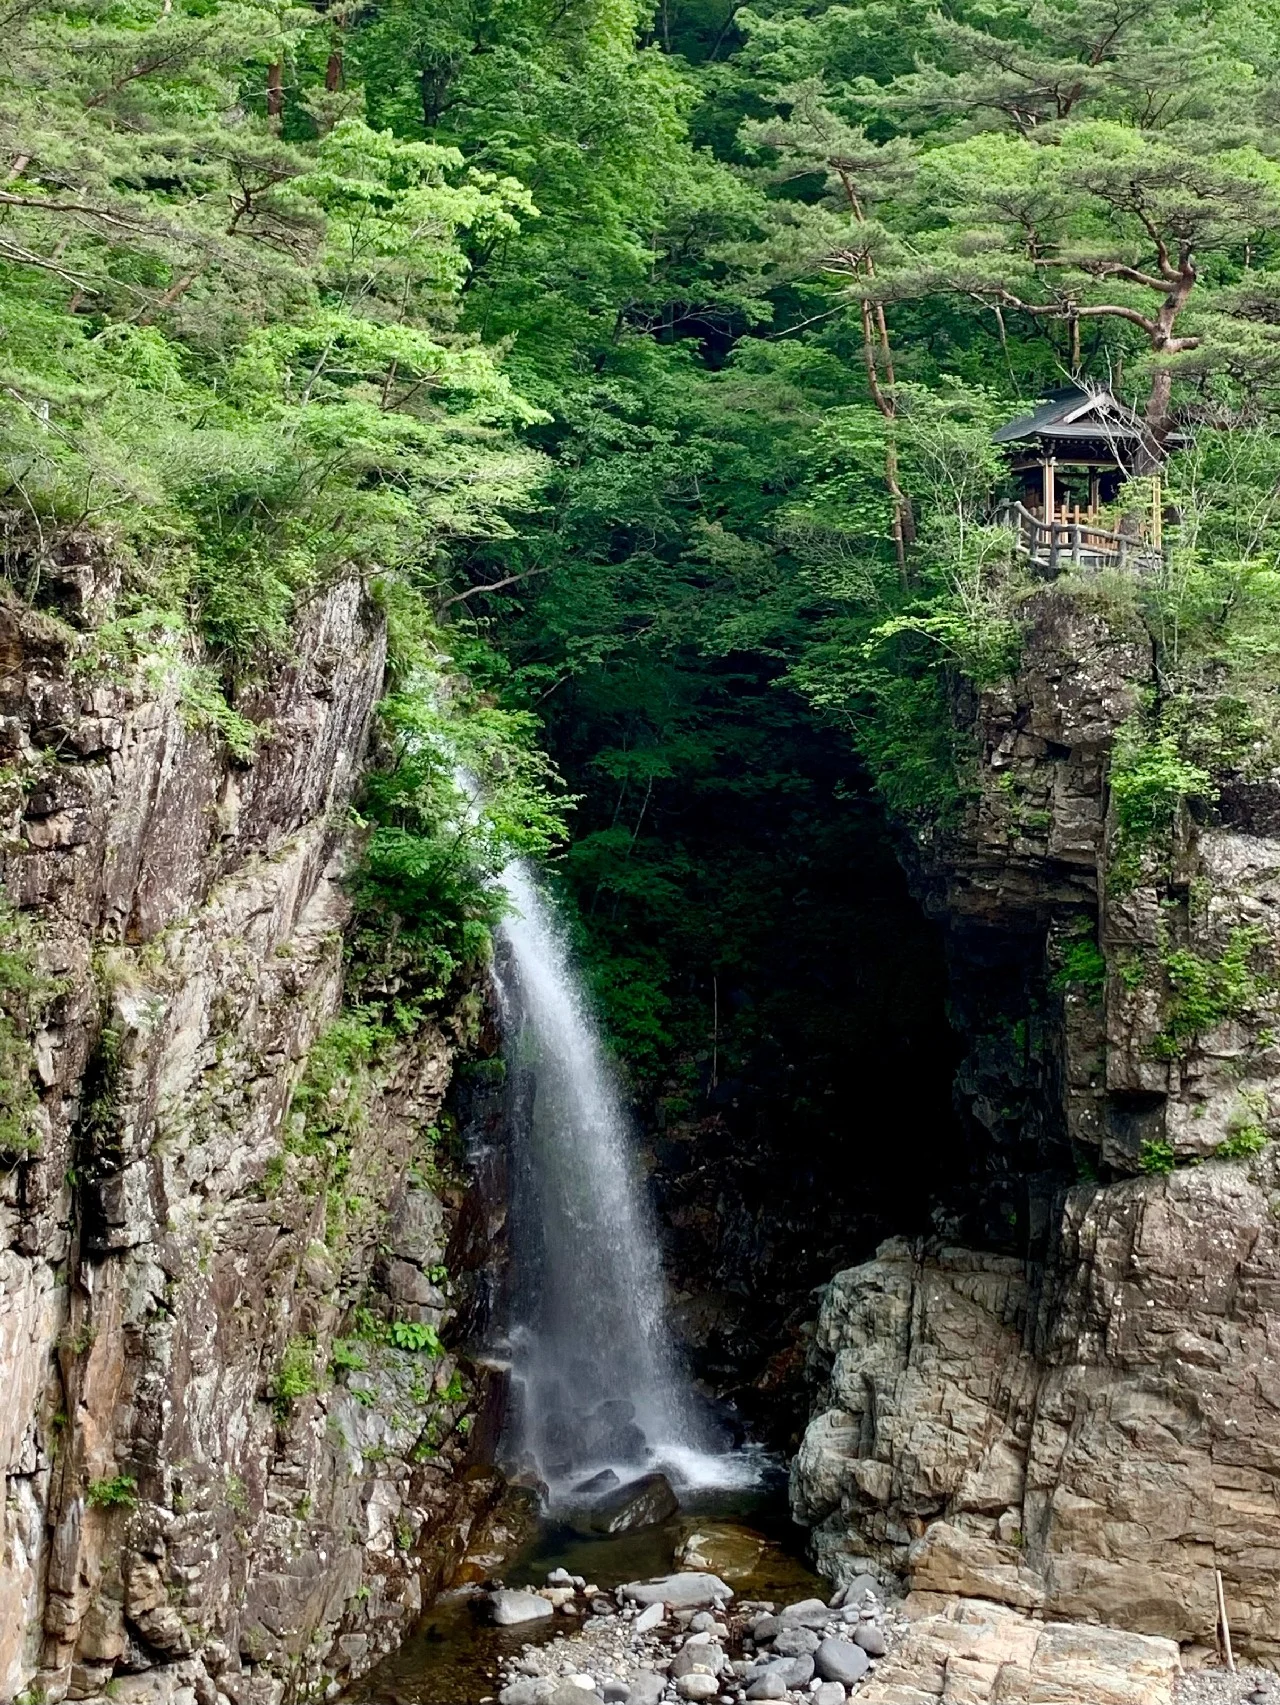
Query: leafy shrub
<point x="415" y="1335"/>
<point x="1156" y="1157"/>
<point x="119" y="1491"/>
<point x="1206" y="992"/>
<point x="24" y="993"/>
<point x="1249" y="1139"/>
<point x="1083" y="967"/>
<point x="1149" y="780"/>
<point x="295" y="1377"/>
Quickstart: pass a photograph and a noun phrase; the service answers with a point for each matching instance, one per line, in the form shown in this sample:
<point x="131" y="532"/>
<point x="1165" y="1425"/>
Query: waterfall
<point x="594" y="1386"/>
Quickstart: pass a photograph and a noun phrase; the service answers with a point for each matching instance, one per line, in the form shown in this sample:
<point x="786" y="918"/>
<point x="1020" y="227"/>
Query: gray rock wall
<point x="174" y="1519"/>
<point x="1078" y="1416"/>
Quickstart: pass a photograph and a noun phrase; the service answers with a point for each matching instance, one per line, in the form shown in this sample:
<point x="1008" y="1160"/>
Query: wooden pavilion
<point x="1069" y="458"/>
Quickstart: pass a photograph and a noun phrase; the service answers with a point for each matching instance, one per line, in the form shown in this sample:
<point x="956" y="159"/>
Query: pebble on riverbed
<point x="679" y="1640"/>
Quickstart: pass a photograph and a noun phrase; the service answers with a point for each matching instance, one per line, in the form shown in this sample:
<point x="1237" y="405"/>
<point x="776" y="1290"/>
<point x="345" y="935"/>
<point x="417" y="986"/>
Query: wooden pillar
<point x="1048" y="497"/>
<point x="1095" y="492"/>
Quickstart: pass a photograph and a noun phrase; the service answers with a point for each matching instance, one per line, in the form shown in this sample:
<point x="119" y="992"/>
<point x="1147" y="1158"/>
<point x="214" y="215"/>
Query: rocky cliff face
<point x="232" y="1447"/>
<point x="1065" y="1402"/>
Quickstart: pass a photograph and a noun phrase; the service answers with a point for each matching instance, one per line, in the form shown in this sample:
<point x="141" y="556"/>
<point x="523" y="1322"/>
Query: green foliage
<point x="1156" y="1157"/>
<point x="24" y="994"/>
<point x="1245" y="1141"/>
<point x="1083" y="967"/>
<point x="1149" y="781"/>
<point x="295" y="1377"/>
<point x="416" y="1336"/>
<point x="1206" y="992"/>
<point x="118" y="1491"/>
<point x="559" y="328"/>
<point x="347" y="1357"/>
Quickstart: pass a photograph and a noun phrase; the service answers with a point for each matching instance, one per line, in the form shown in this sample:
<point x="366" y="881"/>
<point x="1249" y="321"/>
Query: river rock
<point x="793" y="1672"/>
<point x="764" y="1628"/>
<point x="767" y="1686"/>
<point x="615" y="1692"/>
<point x="650" y="1618"/>
<point x="704" y="1656"/>
<point x="830" y="1693"/>
<point x="705" y="1623"/>
<point x="795" y="1642"/>
<point x="646" y="1688"/>
<point x="809" y="1613"/>
<point x="641" y="1503"/>
<point x="697" y="1685"/>
<point x="529" y="1690"/>
<point x="871" y="1639"/>
<point x="568" y="1692"/>
<point x="508" y="1608"/>
<point x="722" y="1548"/>
<point x="842" y="1661"/>
<point x="686" y="1592"/>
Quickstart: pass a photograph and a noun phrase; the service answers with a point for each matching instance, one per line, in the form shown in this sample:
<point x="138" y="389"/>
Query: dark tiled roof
<point x="1073" y="413"/>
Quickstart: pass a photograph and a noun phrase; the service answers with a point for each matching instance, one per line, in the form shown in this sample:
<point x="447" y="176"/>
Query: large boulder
<point x="508" y="1608"/>
<point x="680" y="1592"/>
<point x="641" y="1503"/>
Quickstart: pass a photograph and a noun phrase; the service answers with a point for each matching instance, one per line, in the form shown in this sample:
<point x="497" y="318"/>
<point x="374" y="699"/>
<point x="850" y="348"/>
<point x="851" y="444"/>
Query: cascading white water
<point x="593" y="1385"/>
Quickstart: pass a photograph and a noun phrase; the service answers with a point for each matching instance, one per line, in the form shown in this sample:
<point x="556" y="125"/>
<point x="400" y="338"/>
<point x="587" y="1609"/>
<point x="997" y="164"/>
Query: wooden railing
<point x="1053" y="545"/>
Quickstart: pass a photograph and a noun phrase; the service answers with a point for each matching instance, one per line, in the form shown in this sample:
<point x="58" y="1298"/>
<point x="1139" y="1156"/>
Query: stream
<point x="452" y="1656"/>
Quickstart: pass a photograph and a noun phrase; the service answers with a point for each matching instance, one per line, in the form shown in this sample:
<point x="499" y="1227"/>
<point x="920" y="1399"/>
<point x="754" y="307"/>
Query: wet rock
<point x="704" y="1623"/>
<point x="842" y="1661"/>
<point x="559" y="1578"/>
<point x="508" y="1608"/>
<point x="642" y="1503"/>
<point x="764" y="1628"/>
<point x="650" y="1618"/>
<point x="830" y="1693"/>
<point x="646" y="1688"/>
<point x="597" y="1484"/>
<point x="678" y="1591"/>
<point x="722" y="1548"/>
<point x="614" y="1692"/>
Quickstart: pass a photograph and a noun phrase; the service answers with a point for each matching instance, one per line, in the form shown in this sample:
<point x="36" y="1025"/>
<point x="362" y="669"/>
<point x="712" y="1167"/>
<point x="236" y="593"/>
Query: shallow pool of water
<point x="452" y="1656"/>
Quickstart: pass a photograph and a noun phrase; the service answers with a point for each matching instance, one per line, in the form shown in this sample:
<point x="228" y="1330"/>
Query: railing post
<point x="1075" y="544"/>
<point x="1124" y="550"/>
<point x="1053" y="550"/>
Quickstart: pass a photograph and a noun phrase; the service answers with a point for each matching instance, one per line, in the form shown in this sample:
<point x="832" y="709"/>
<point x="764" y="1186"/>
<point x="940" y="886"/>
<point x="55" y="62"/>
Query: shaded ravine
<point x="595" y="1392"/>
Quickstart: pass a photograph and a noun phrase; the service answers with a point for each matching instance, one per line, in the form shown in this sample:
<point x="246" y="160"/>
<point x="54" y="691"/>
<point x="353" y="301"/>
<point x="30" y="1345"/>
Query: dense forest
<point x="645" y="363"/>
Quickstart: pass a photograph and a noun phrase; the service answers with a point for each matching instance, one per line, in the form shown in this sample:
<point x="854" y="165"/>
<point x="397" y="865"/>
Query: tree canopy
<point x="654" y="353"/>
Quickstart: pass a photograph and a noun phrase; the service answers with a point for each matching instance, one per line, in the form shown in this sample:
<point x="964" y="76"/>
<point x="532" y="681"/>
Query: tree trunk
<point x="275" y="90"/>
